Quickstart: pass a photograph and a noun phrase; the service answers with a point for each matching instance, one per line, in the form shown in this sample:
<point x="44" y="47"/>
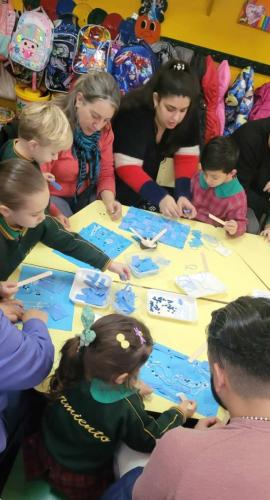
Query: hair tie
<point x="139" y="334"/>
<point x="179" y="67"/>
<point x="124" y="343"/>
<point x="88" y="335"/>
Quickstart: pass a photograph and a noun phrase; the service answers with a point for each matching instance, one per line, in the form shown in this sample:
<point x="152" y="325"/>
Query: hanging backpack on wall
<point x="133" y="66"/>
<point x="7" y="23"/>
<point x="261" y="106"/>
<point x="31" y="43"/>
<point x="92" y="50"/>
<point x="164" y="51"/>
<point x="59" y="74"/>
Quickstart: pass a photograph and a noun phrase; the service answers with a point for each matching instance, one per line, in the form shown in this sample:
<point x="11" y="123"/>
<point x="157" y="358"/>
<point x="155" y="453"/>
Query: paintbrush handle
<point x="136" y="233"/>
<point x="159" y="235"/>
<point x="217" y="219"/>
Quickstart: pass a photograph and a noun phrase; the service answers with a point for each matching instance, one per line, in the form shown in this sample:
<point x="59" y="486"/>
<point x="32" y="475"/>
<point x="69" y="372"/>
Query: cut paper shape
<point x="196" y="239"/>
<point x="149" y="224"/>
<point x="111" y="243"/>
<point x="91" y="288"/>
<point x="50" y="294"/>
<point x="213" y="243"/>
<point x="171" y="305"/>
<point x="124" y="300"/>
<point x="200" y="284"/>
<point x="169" y="372"/>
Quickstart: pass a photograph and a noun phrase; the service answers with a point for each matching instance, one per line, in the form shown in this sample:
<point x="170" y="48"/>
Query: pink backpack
<point x="261" y="106"/>
<point x="7" y="23"/>
<point x="224" y="78"/>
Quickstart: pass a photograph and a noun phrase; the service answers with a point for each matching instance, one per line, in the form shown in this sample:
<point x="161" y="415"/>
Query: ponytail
<point x="70" y="370"/>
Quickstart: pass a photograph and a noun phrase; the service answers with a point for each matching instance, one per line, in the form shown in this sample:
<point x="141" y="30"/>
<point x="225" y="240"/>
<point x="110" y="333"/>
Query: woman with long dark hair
<point x="156" y="121"/>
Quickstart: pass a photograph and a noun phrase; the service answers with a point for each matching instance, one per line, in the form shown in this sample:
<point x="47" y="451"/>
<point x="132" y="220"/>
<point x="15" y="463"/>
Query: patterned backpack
<point x="92" y="51"/>
<point x="7" y="23"/>
<point x="31" y="43"/>
<point x="133" y="66"/>
<point x="59" y="74"/>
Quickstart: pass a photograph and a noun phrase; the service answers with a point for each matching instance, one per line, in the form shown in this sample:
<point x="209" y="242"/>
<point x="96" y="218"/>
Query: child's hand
<point x="114" y="209"/>
<point x="35" y="314"/>
<point x="7" y="289"/>
<point x="207" y="423"/>
<point x="48" y="177"/>
<point x="121" y="269"/>
<point x="266" y="233"/>
<point x="231" y="227"/>
<point x="186" y="208"/>
<point x="266" y="188"/>
<point x="12" y="309"/>
<point x="188" y="407"/>
<point x="64" y="221"/>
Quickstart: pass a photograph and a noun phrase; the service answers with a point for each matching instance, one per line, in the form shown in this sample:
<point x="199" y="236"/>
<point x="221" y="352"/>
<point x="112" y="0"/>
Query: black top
<point x="253" y="167"/>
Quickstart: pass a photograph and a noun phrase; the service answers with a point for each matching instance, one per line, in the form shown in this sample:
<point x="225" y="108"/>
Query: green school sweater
<point x="16" y="244"/>
<point x="8" y="151"/>
<point x="82" y="429"/>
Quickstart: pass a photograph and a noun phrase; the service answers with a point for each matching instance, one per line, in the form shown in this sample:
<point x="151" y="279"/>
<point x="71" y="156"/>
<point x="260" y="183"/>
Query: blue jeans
<point x="122" y="489"/>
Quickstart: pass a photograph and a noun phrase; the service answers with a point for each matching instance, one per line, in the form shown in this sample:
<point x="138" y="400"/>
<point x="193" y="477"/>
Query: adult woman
<point x="156" y="121"/>
<point x="86" y="171"/>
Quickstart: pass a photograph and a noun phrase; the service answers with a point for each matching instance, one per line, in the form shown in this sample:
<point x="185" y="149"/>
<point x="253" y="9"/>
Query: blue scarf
<point x="86" y="149"/>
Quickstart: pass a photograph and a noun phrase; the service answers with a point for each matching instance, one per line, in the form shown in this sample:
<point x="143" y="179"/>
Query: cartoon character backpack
<point x="59" y="74"/>
<point x="31" y="43"/>
<point x="92" y="50"/>
<point x="7" y="23"/>
<point x="133" y="66"/>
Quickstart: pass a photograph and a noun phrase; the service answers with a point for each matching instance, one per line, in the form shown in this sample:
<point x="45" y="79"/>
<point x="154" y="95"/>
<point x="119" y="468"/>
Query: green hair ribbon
<point x="88" y="335"/>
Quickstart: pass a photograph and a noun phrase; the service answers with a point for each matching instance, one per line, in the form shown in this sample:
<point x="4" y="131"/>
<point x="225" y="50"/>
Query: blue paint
<point x="111" y="243"/>
<point x="124" y="300"/>
<point x="96" y="292"/>
<point x="50" y="294"/>
<point x="149" y="224"/>
<point x="169" y="372"/>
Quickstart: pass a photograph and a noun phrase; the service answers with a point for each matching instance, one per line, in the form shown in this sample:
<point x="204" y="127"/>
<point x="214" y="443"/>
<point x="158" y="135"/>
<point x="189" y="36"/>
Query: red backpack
<point x="261" y="106"/>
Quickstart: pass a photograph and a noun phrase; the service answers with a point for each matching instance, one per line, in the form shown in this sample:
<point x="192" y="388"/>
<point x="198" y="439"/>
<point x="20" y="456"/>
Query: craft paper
<point x="111" y="243"/>
<point x="169" y="372"/>
<point x="50" y="294"/>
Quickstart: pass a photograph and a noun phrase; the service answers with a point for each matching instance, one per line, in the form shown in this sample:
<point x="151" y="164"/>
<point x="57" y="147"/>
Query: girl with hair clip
<point x="96" y="406"/>
<point x="86" y="171"/>
<point x="158" y="120"/>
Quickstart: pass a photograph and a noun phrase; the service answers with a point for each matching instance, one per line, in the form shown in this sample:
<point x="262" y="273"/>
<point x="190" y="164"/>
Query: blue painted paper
<point x="50" y="294"/>
<point x="111" y="243"/>
<point x="169" y="372"/>
<point x="149" y="224"/>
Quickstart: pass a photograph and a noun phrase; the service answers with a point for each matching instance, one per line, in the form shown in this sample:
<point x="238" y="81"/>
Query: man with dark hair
<point x="215" y="461"/>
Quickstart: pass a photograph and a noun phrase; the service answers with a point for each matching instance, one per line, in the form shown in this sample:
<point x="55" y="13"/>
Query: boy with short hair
<point x="43" y="132"/>
<point x="216" y="189"/>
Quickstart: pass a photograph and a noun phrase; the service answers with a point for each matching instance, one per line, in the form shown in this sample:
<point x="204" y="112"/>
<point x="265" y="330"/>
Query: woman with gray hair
<point x="85" y="172"/>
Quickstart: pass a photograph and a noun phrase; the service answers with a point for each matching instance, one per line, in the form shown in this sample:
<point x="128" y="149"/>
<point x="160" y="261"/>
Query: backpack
<point x="239" y="100"/>
<point x="133" y="66"/>
<point x="7" y="23"/>
<point x="261" y="107"/>
<point x="164" y="51"/>
<point x="31" y="43"/>
<point x="59" y="72"/>
<point x="92" y="50"/>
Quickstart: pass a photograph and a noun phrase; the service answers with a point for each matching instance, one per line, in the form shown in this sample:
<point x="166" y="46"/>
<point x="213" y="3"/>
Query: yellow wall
<point x="187" y="20"/>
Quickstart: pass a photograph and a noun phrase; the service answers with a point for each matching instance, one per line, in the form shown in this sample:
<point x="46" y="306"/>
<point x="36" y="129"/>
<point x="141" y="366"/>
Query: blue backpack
<point x="133" y="66"/>
<point x="59" y="72"/>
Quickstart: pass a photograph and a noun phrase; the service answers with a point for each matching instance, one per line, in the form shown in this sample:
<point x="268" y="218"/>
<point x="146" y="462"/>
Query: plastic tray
<point x="157" y="262"/>
<point x="171" y="305"/>
<point x="200" y="284"/>
<point x="79" y="284"/>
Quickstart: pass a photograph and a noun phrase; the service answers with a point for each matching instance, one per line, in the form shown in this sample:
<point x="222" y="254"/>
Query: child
<point x="26" y="358"/>
<point x="216" y="189"/>
<point x="12" y="308"/>
<point x="43" y="132"/>
<point x="24" y="196"/>
<point x="96" y="406"/>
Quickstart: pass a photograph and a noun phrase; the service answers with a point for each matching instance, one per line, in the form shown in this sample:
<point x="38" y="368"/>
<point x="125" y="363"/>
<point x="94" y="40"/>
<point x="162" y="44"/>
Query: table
<point x="240" y="272"/>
